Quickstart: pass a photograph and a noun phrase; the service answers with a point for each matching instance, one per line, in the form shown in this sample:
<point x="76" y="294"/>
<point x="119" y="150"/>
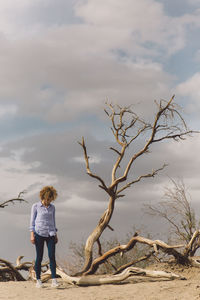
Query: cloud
<point x="16" y="177"/>
<point x="7" y="110"/>
<point x="59" y="80"/>
<point x="23" y="18"/>
<point x="157" y="29"/>
<point x="193" y="2"/>
<point x="190" y="90"/>
<point x="197" y="56"/>
<point x="190" y="87"/>
<point x="68" y="70"/>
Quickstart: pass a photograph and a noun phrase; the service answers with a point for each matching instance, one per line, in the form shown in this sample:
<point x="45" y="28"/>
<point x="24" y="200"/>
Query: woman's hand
<point x="56" y="238"/>
<point x="32" y="237"/>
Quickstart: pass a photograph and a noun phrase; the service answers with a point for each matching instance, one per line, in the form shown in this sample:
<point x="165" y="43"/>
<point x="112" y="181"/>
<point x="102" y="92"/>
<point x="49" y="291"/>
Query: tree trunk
<point x="95" y="235"/>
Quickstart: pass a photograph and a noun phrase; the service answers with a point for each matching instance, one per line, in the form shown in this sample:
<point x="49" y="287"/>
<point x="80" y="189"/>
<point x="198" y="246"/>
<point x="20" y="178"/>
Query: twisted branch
<point x="18" y="199"/>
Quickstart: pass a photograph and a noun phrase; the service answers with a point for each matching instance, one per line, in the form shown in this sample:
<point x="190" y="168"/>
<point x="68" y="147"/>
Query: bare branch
<point x="110" y="227"/>
<point x="177" y="211"/>
<point x="111" y="148"/>
<point x="133" y="262"/>
<point x="152" y="174"/>
<point x="18" y="199"/>
<point x="156" y="211"/>
<point x="117" y="164"/>
<point x="166" y="110"/>
<point x="175" y="137"/>
<point x="99" y="247"/>
<point x="88" y="167"/>
<point x="188" y="247"/>
<point x="141" y="130"/>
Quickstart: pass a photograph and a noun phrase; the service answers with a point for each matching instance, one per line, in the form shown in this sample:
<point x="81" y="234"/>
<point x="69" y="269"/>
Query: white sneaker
<point x="39" y="284"/>
<point x="54" y="283"/>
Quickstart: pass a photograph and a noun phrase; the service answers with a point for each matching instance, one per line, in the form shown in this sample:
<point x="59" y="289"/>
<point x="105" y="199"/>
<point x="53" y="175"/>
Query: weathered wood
<point x="13" y="270"/>
<point x="112" y="279"/>
<point x="95" y="235"/>
<point x="189" y="246"/>
<point x="130" y="245"/>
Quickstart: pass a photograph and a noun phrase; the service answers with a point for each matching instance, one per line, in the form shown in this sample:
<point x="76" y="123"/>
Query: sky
<point x="60" y="61"/>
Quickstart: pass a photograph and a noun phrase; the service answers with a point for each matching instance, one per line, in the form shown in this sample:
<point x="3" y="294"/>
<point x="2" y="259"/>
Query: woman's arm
<point x="32" y="223"/>
<point x="54" y="220"/>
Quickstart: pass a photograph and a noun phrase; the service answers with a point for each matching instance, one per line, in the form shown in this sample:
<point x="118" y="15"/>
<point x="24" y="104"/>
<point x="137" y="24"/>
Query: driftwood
<point x="9" y="272"/>
<point x="112" y="279"/>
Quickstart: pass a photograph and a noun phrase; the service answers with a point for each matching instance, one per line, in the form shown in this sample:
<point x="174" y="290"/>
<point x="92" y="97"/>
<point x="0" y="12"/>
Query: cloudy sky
<point x="60" y="60"/>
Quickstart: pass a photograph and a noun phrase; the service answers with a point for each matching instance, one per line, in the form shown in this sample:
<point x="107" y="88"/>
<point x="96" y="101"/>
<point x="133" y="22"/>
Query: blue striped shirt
<point x="43" y="219"/>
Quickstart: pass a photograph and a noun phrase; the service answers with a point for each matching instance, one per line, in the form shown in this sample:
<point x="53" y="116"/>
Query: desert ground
<point x="134" y="288"/>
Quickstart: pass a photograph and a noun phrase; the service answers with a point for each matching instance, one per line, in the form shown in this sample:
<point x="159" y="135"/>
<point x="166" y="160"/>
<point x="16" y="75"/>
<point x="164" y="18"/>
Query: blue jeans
<point x="39" y="245"/>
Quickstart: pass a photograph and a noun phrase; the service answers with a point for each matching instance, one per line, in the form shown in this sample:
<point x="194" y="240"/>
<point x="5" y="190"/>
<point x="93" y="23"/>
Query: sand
<point x="173" y="290"/>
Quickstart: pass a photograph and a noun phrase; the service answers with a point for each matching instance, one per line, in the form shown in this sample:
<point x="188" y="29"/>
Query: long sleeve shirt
<point x="43" y="219"/>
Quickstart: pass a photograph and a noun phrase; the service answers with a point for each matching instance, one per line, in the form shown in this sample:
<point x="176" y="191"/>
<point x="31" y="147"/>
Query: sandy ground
<point x="173" y="290"/>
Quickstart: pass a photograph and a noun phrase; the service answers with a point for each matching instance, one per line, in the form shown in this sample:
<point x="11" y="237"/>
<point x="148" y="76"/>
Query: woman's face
<point x="46" y="202"/>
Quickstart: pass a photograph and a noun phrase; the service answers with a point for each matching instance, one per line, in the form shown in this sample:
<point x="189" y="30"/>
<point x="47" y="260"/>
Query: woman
<point x="43" y="229"/>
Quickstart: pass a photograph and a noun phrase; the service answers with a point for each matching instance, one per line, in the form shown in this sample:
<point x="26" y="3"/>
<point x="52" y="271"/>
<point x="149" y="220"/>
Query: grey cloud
<point x="156" y="27"/>
<point x="27" y="18"/>
<point x="194" y="2"/>
<point x="51" y="13"/>
<point x="59" y="81"/>
<point x="67" y="70"/>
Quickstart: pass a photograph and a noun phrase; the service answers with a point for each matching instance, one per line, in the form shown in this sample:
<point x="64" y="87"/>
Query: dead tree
<point x="176" y="209"/>
<point x="127" y="128"/>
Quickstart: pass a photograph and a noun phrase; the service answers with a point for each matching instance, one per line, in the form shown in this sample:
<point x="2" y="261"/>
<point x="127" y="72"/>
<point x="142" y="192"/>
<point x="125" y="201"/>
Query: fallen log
<point x="113" y="279"/>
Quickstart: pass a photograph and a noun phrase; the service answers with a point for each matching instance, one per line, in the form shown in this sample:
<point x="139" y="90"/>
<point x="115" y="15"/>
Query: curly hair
<point x="48" y="192"/>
